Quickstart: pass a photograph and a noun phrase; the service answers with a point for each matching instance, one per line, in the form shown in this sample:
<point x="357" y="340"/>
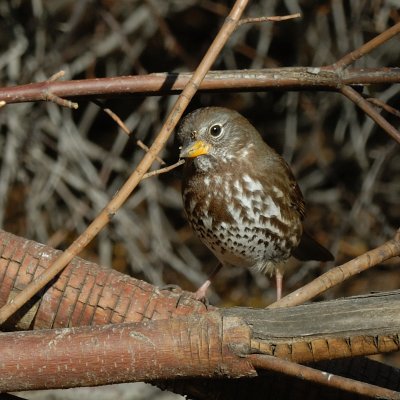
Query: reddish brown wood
<point x="83" y="294"/>
<point x="242" y="331"/>
<point x="199" y="346"/>
<point x="297" y="78"/>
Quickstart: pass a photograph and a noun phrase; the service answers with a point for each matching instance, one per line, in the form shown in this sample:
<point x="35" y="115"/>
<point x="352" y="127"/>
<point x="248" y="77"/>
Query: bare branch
<point x="293" y="78"/>
<point x="354" y="96"/>
<point x="56" y="76"/>
<point x="341" y="273"/>
<point x="131" y="352"/>
<point x="367" y="47"/>
<point x="125" y="129"/>
<point x="48" y="96"/>
<point x="379" y="103"/>
<point x="282" y="366"/>
<point x="363" y="325"/>
<point x="104" y="217"/>
<point x="277" y="18"/>
<point x="163" y="170"/>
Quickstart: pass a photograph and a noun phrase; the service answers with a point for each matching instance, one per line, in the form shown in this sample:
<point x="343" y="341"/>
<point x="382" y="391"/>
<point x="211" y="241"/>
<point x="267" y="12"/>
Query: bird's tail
<point x="310" y="249"/>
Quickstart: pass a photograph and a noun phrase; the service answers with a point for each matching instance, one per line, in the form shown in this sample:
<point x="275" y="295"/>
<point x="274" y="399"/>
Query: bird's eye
<point x="215" y="130"/>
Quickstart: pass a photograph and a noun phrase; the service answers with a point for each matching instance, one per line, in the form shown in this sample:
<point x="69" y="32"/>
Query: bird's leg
<point x="202" y="290"/>
<point x="279" y="283"/>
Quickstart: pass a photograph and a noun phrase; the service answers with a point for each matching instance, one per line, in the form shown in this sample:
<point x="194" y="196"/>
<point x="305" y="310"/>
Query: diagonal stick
<point x="118" y="200"/>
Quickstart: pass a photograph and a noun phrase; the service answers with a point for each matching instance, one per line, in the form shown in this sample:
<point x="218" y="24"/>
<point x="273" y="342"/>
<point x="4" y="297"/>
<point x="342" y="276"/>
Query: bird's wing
<point x="295" y="195"/>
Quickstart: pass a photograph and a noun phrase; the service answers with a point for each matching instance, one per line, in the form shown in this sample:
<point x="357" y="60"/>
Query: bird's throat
<point x="204" y="163"/>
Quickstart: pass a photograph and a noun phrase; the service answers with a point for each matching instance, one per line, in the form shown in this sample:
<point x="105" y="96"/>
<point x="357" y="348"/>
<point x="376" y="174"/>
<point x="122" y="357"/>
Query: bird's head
<point x="214" y="135"/>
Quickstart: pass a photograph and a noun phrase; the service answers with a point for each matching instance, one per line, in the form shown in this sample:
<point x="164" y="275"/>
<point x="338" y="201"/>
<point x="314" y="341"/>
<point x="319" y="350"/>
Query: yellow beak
<point x="195" y="149"/>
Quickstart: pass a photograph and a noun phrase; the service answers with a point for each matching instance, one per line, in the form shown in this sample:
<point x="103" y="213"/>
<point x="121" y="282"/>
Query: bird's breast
<point x="239" y="218"/>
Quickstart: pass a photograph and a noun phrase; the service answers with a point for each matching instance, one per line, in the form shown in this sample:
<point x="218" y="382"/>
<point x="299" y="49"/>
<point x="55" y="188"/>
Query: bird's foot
<point x="171" y="288"/>
<point x="201" y="293"/>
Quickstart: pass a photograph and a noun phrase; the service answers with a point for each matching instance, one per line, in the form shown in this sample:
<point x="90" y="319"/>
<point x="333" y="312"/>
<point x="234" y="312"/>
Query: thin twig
<point x="146" y="149"/>
<point x="114" y="117"/>
<point x="277" y="18"/>
<point x="381" y="104"/>
<point x="106" y="214"/>
<point x="49" y="96"/>
<point x="341" y="273"/>
<point x="163" y="170"/>
<point x="60" y="101"/>
<point x="367" y="47"/>
<point x="355" y="97"/>
<point x="125" y="129"/>
<point x="290" y="368"/>
<point x="56" y="76"/>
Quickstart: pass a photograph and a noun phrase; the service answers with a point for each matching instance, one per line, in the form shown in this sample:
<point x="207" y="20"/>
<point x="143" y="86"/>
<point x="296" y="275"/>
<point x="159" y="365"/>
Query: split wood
<point x="87" y="294"/>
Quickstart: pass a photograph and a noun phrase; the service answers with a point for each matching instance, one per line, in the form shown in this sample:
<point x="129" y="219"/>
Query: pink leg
<point x="201" y="292"/>
<point x="279" y="283"/>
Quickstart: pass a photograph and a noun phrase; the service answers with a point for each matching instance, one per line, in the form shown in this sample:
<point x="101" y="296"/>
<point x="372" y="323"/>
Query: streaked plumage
<point x="239" y="195"/>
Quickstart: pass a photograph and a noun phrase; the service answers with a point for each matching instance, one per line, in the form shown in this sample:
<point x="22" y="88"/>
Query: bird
<point x="240" y="196"/>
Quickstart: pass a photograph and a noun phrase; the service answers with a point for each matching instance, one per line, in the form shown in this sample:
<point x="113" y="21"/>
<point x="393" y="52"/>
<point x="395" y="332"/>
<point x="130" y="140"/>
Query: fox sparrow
<point x="240" y="196"/>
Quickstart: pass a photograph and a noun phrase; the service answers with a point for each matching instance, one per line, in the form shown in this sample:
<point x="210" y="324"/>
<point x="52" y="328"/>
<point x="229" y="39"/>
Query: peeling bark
<point x="174" y="336"/>
<point x="196" y="346"/>
<point x="83" y="294"/>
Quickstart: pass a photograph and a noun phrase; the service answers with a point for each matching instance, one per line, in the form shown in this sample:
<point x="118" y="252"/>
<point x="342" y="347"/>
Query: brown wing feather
<point x="296" y="197"/>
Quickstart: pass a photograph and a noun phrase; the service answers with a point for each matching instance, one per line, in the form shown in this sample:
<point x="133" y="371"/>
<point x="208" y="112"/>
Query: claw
<point x="171" y="288"/>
